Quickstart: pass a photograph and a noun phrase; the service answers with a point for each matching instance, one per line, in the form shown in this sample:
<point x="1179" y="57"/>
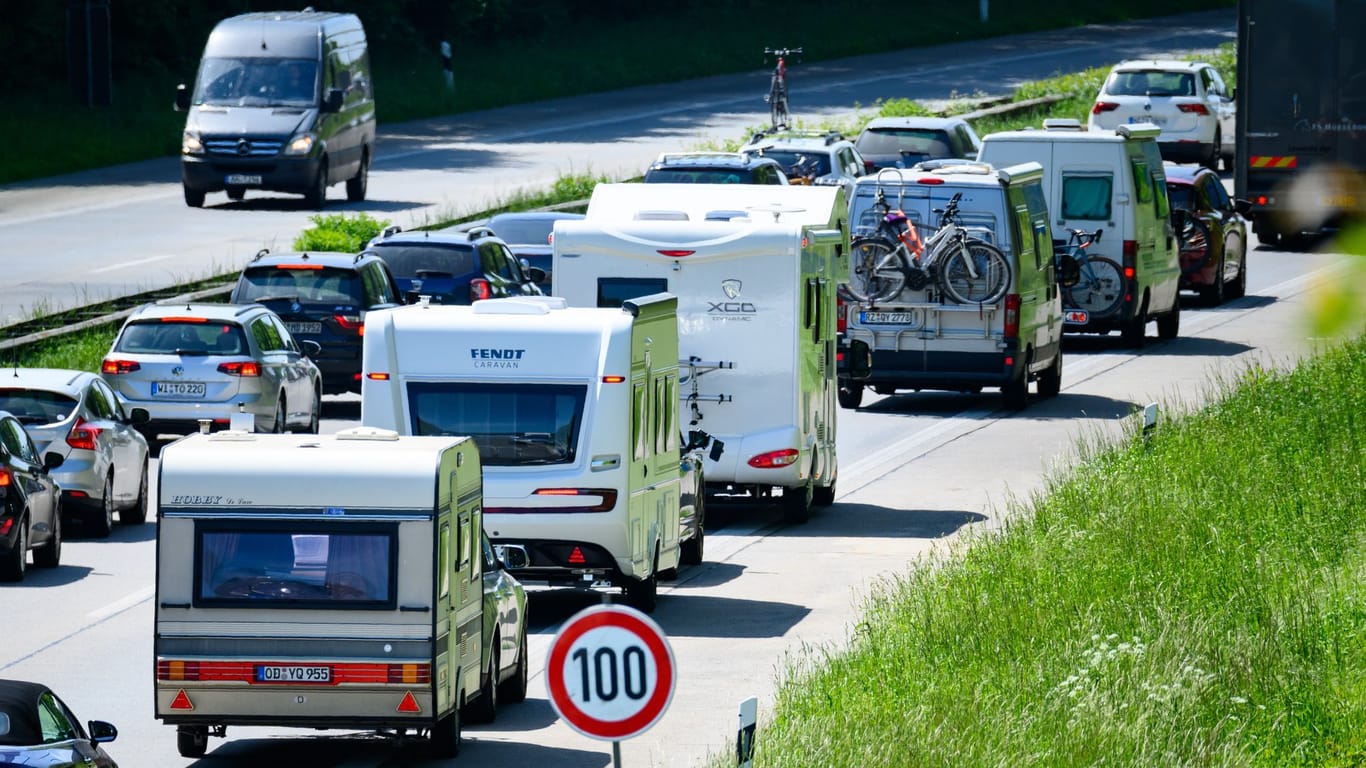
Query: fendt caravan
<point x="754" y="268"/>
<point x="318" y="582"/>
<point x="574" y="413"/>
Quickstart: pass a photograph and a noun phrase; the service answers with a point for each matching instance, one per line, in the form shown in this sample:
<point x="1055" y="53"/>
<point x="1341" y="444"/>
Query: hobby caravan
<point x="754" y="269"/>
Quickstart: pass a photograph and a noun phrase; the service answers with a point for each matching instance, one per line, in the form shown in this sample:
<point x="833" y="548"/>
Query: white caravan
<point x="755" y="269"/>
<point x="318" y="582"/>
<point x="573" y="411"/>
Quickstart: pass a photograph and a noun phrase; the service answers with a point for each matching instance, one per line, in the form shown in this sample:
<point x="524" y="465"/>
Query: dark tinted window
<point x="257" y="82"/>
<point x="793" y="159"/>
<point x="36" y="406"/>
<point x="408" y="260"/>
<point x="97" y="400"/>
<point x="182" y="338"/>
<point x="1151" y="82"/>
<point x="295" y="566"/>
<point x="513" y="424"/>
<point x="1087" y="197"/>
<point x="698" y="176"/>
<point x="16" y="441"/>
<point x="309" y="284"/>
<point x="612" y="291"/>
<point x="1179" y="195"/>
<point x="890" y="141"/>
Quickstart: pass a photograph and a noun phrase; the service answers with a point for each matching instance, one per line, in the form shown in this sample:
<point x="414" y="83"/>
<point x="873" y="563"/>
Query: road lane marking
<point x="122" y="604"/>
<point x="97" y="618"/>
<point x="134" y="263"/>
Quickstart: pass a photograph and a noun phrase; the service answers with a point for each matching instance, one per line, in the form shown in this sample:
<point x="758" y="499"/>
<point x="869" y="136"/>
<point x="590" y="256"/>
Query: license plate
<point x="281" y="673"/>
<point x="305" y="328"/>
<point x="1344" y="202"/>
<point x="1076" y="317"/>
<point x="243" y="179"/>
<point x="177" y="389"/>
<point x="900" y="318"/>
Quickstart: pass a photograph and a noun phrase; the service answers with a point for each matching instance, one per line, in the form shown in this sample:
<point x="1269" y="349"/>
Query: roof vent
<point x="1062" y="124"/>
<point x="726" y="215"/>
<point x="366" y="433"/>
<point x="661" y="216"/>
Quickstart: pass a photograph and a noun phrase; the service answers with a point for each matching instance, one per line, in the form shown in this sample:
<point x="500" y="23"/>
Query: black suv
<point x="322" y="297"/>
<point x="454" y="266"/>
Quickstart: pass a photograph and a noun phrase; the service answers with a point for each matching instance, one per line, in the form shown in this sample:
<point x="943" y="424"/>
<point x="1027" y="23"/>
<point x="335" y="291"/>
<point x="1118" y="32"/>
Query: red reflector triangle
<point x="181" y="701"/>
<point x="577" y="557"/>
<point x="408" y="704"/>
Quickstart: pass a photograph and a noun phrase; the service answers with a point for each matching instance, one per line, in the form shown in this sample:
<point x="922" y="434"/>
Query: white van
<point x="755" y="269"/>
<point x="1112" y="181"/>
<point x="923" y="340"/>
<point x="318" y="582"/>
<point x="574" y="412"/>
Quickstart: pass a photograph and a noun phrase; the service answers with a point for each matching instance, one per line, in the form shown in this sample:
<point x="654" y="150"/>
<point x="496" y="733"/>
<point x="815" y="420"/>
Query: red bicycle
<point x="777" y="88"/>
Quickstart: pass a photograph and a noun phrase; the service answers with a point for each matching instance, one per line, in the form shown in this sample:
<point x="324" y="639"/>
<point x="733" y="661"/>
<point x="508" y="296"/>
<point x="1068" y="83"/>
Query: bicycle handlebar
<point x="1083" y="238"/>
<point x="782" y="51"/>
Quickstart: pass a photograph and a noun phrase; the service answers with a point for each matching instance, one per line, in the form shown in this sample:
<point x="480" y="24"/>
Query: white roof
<point x="794" y="204"/>
<point x="1163" y="64"/>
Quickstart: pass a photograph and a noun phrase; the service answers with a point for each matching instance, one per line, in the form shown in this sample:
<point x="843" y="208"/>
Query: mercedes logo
<point x="243" y="147"/>
<point x="731" y="288"/>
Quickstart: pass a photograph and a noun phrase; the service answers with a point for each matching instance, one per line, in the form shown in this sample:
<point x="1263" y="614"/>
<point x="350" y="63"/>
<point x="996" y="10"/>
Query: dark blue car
<point x="453" y="267"/>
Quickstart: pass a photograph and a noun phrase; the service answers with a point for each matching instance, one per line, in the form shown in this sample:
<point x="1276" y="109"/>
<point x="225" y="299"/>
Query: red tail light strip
<point x="245" y="672"/>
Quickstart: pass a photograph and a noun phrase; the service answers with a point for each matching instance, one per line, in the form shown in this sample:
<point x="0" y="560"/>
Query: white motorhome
<point x="574" y="413"/>
<point x="318" y="582"/>
<point x="755" y="269"/>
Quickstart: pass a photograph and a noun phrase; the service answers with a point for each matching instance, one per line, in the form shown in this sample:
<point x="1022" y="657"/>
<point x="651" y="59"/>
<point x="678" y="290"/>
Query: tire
<point x="1099" y="289"/>
<point x="691" y="551"/>
<point x="1135" y="331"/>
<point x="990" y="265"/>
<point x="875" y="277"/>
<point x="356" y="185"/>
<point x="1049" y="383"/>
<point x="643" y="594"/>
<point x="316" y="416"/>
<point x="101" y="522"/>
<point x="194" y="197"/>
<point x="50" y="554"/>
<point x="1239" y="287"/>
<point x="137" y="514"/>
<point x="1215" y="152"/>
<point x="1214" y="294"/>
<point x="444" y="738"/>
<point x="1196" y="245"/>
<point x="850" y="396"/>
<point x="1016" y="391"/>
<point x="513" y="689"/>
<point x="316" y="197"/>
<point x="823" y="495"/>
<point x="280" y="423"/>
<point x="1169" y="325"/>
<point x="484" y="708"/>
<point x="796" y="503"/>
<point x="777" y="109"/>
<point x="236" y="193"/>
<point x="192" y="740"/>
<point x="15" y="562"/>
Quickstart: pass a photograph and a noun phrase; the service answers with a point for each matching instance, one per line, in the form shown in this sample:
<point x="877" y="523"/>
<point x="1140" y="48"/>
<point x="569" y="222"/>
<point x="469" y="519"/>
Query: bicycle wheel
<point x="1100" y="288"/>
<point x="988" y="264"/>
<point x="777" y="109"/>
<point x="875" y="276"/>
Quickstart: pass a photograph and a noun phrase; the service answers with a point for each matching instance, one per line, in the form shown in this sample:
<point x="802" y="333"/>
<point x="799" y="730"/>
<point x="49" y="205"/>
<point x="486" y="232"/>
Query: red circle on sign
<point x="649" y="634"/>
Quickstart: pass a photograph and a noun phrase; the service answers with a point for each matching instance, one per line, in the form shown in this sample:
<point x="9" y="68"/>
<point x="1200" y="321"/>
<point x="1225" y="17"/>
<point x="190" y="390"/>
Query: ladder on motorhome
<point x="696" y="368"/>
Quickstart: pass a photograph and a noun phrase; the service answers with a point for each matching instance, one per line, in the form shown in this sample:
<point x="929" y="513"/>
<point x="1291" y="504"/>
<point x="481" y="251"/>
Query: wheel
<point x="796" y="503"/>
<point x="690" y="552"/>
<point x="1213" y="294"/>
<point x="1239" y="287"/>
<point x="356" y="185"/>
<point x="316" y="197"/>
<point x="316" y="413"/>
<point x="14" y="563"/>
<point x="1215" y="151"/>
<point x="102" y="521"/>
<point x="1016" y="391"/>
<point x="194" y="197"/>
<point x="644" y="593"/>
<point x="1169" y="324"/>
<point x="1099" y="288"/>
<point x="484" y="708"/>
<point x="1049" y="383"/>
<point x="278" y="423"/>
<point x="192" y="740"/>
<point x="876" y="276"/>
<point x="444" y="739"/>
<point x="1196" y="245"/>
<point x="514" y="688"/>
<point x="992" y="272"/>
<point x="236" y="193"/>
<point x="777" y="109"/>
<point x="1133" y="333"/>
<point x="823" y="495"/>
<point x="137" y="514"/>
<point x="50" y="554"/>
<point x="850" y="396"/>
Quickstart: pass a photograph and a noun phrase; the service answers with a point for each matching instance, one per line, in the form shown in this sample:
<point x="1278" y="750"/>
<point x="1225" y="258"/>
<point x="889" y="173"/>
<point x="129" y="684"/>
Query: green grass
<point x="1198" y="598"/>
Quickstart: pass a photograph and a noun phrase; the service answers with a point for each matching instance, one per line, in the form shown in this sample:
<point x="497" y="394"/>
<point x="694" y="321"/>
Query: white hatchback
<point x="1186" y="99"/>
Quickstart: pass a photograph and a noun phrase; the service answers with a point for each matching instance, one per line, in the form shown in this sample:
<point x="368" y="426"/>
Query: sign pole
<point x="616" y="754"/>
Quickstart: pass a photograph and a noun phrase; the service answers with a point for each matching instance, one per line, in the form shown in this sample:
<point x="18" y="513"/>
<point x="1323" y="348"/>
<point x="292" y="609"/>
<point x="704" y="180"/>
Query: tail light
<point x="5" y="478"/>
<point x="841" y="316"/>
<point x="1193" y="109"/>
<point x="1012" y="315"/>
<point x="1130" y="259"/>
<point x="676" y="253"/>
<point x="869" y="165"/>
<point x="775" y="459"/>
<point x="1104" y="106"/>
<point x="350" y="323"/>
<point x="248" y="368"/>
<point x="6" y="525"/>
<point x="1261" y="200"/>
<point x="83" y="435"/>
<point x="480" y="289"/>
<point x="114" y="367"/>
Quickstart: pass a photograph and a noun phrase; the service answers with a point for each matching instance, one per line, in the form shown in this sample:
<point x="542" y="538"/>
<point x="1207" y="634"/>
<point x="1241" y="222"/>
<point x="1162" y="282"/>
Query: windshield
<point x="417" y="260"/>
<point x="513" y="424"/>
<point x="182" y="338"/>
<point x="306" y="284"/>
<point x="1151" y="82"/>
<point x="257" y="82"/>
<point x="36" y="406"/>
<point x="891" y="141"/>
<point x="293" y="566"/>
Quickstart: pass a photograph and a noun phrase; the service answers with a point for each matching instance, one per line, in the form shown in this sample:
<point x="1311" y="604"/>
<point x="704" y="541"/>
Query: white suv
<point x="814" y="158"/>
<point x="1186" y="99"/>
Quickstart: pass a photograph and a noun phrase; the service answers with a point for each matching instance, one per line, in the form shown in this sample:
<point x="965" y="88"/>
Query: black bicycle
<point x="777" y="88"/>
<point x="1100" y="281"/>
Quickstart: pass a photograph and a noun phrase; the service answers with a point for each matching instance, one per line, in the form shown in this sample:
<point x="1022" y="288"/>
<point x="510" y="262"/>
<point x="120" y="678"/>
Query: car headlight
<point x="190" y="144"/>
<point x="301" y="144"/>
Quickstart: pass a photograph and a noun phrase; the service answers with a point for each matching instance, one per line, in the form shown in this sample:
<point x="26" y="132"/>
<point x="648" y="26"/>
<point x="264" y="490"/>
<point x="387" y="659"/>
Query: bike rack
<point x="696" y="369"/>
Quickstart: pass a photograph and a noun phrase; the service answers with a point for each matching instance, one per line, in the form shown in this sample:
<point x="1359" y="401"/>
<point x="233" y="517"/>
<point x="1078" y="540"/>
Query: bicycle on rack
<point x="1099" y="288"/>
<point x="966" y="269"/>
<point x="777" y="88"/>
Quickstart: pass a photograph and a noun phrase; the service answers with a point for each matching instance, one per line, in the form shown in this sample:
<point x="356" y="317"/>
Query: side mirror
<point x="333" y="101"/>
<point x="859" y="360"/>
<point x="534" y="274"/>
<point x="52" y="460"/>
<point x="182" y="98"/>
<point x="1243" y="207"/>
<point x="512" y="556"/>
<point x="311" y="348"/>
<point x="102" y="732"/>
<point x="1068" y="271"/>
<point x="139" y="416"/>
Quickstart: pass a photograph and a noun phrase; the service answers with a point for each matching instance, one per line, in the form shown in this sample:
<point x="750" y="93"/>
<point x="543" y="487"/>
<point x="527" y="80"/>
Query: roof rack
<point x="391" y="230"/>
<point x="260" y="253"/>
<point x="479" y="230"/>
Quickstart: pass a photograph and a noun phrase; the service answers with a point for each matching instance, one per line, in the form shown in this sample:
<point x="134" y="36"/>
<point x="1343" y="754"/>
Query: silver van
<point x="283" y="102"/>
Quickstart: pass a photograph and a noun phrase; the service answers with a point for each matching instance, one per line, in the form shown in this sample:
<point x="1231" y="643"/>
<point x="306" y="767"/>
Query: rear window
<point x="612" y="291"/>
<point x="312" y="284"/>
<point x="37" y="406"/>
<point x="698" y="176"/>
<point x="1180" y="196"/>
<point x="795" y="161"/>
<point x="424" y="261"/>
<point x="890" y="141"/>
<point x="1086" y="197"/>
<point x="182" y="338"/>
<point x="512" y="424"/>
<point x="288" y="566"/>
<point x="1151" y="82"/>
<point x="524" y="231"/>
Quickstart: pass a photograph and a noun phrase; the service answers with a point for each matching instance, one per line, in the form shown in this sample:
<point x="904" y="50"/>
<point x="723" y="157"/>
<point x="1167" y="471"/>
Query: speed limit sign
<point x="610" y="673"/>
